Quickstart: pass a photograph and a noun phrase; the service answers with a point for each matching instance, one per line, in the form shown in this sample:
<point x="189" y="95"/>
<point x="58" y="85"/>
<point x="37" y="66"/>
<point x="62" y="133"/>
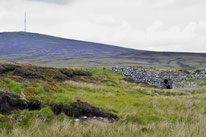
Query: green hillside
<point x="143" y="110"/>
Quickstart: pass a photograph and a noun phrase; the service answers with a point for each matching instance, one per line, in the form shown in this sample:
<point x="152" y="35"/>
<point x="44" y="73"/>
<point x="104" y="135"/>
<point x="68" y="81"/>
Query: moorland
<point x="142" y="110"/>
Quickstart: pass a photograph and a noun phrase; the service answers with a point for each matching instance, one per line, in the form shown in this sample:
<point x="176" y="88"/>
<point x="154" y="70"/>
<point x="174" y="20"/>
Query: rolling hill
<point x="48" y="50"/>
<point x="35" y="45"/>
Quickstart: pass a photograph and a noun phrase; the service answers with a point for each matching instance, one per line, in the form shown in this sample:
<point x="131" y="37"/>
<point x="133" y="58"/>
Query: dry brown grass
<point x="67" y="128"/>
<point x="84" y="85"/>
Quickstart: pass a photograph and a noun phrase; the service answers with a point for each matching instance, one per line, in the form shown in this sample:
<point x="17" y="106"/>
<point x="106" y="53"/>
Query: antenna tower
<point x="25" y="22"/>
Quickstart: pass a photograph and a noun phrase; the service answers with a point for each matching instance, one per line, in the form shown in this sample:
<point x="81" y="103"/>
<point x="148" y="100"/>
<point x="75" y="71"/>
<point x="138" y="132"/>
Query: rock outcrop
<point x="10" y="101"/>
<point x="5" y="67"/>
<point x="82" y="109"/>
<point x="39" y="72"/>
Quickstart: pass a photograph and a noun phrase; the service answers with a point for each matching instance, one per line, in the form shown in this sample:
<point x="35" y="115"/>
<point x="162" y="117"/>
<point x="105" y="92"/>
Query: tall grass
<point x="11" y="85"/>
<point x="68" y="128"/>
<point x="143" y="111"/>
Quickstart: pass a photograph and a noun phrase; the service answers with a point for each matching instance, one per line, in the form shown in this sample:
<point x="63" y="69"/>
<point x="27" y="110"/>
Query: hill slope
<point x="53" y="51"/>
<point x="23" y="44"/>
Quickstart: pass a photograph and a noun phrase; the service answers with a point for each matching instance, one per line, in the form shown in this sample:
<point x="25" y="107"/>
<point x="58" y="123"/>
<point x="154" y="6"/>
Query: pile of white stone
<point x="186" y="84"/>
<point x="158" y="78"/>
<point x="198" y="76"/>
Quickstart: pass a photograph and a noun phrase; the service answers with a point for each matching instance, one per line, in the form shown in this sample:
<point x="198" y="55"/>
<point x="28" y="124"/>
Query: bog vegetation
<point x="143" y="110"/>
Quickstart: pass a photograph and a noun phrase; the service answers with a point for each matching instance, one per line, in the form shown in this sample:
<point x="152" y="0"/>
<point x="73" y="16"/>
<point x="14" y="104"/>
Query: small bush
<point x="60" y="90"/>
<point x="14" y="86"/>
<point x="110" y="84"/>
<point x="40" y="90"/>
<point x="46" y="112"/>
<point x="197" y="71"/>
<point x="50" y="88"/>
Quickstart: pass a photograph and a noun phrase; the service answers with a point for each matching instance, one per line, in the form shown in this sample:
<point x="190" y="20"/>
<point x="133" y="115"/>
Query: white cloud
<point x="174" y="25"/>
<point x="189" y="38"/>
<point x="51" y="1"/>
<point x="157" y="36"/>
<point x="54" y="1"/>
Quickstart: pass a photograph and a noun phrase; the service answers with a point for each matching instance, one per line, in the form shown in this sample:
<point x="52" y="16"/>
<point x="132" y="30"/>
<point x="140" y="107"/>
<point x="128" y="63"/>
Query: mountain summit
<point x="24" y="44"/>
<point x="48" y="50"/>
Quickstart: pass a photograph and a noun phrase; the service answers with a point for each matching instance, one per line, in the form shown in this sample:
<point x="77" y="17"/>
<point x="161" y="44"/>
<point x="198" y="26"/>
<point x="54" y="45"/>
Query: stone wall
<point x="186" y="84"/>
<point x="162" y="79"/>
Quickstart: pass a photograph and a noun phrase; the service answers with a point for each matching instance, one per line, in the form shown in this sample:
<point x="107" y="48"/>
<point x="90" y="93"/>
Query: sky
<point x="159" y="25"/>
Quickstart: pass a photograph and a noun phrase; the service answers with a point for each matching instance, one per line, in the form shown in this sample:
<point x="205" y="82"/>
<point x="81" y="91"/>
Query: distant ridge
<point x="24" y="44"/>
<point x="39" y="49"/>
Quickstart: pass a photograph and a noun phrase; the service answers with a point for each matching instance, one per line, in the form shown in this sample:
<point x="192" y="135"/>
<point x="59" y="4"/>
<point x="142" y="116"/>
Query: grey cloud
<point x="116" y="22"/>
<point x="54" y="1"/>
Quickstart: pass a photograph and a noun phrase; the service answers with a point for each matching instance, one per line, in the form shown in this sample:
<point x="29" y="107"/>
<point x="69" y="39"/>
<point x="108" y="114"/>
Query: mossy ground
<point x="143" y="110"/>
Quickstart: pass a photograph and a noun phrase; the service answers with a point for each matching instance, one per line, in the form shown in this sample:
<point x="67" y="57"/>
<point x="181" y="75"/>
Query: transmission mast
<point x="25" y="22"/>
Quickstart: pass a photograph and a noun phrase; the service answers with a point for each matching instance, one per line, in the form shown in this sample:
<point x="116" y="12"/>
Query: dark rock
<point x="58" y="108"/>
<point x="14" y="100"/>
<point x="28" y="73"/>
<point x="10" y="101"/>
<point x="82" y="109"/>
<point x="34" y="105"/>
<point x="36" y="72"/>
<point x="67" y="72"/>
<point x="39" y="72"/>
<point x="6" y="67"/>
<point x="82" y="73"/>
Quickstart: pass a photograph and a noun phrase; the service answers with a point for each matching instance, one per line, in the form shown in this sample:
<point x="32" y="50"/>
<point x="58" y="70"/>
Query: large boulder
<point x="79" y="109"/>
<point x="10" y="101"/>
